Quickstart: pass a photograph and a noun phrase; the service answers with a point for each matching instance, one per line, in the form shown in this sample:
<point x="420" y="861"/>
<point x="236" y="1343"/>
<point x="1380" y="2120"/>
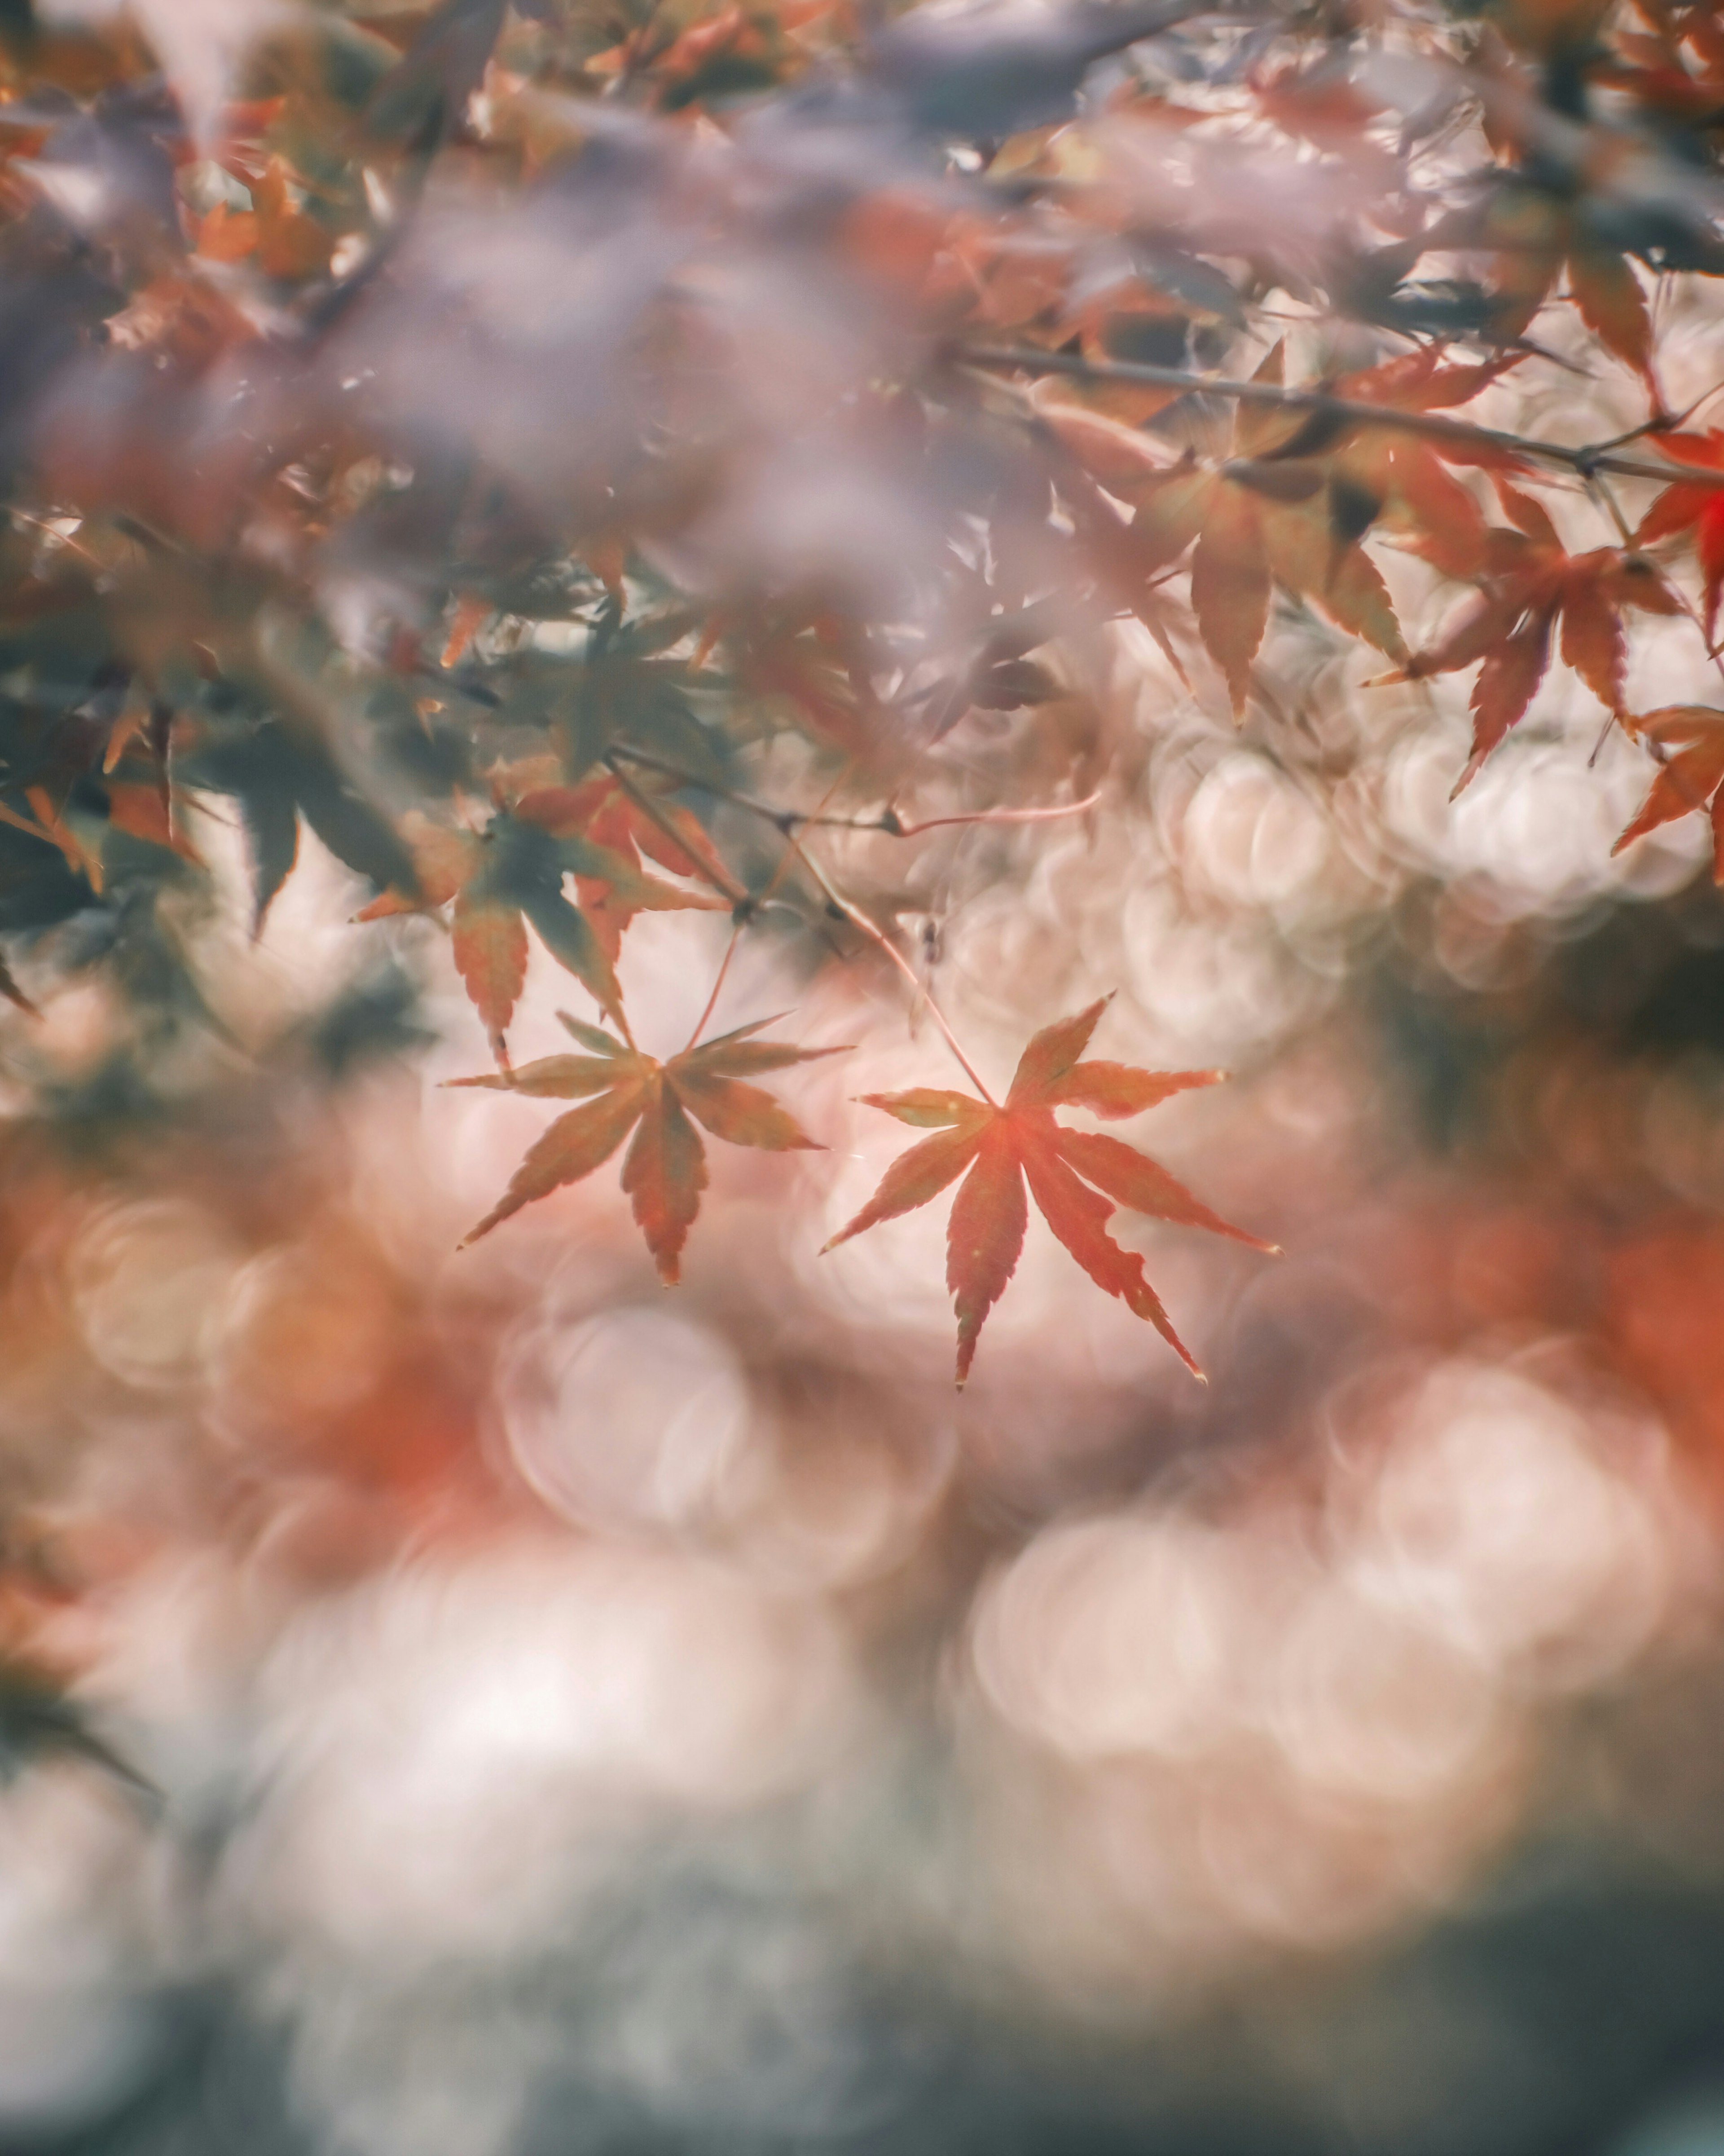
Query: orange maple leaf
<point x="287" y="243"/>
<point x="665" y="1169"/>
<point x="1259" y="517"/>
<point x="1688" y="740"/>
<point x="1655" y="65"/>
<point x="1000" y="1146"/>
<point x="1403" y="478"/>
<point x="1530" y="582"/>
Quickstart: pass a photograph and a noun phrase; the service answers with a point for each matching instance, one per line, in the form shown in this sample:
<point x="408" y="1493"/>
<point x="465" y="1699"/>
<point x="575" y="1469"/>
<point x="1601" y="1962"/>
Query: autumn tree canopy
<point x="584" y="461"/>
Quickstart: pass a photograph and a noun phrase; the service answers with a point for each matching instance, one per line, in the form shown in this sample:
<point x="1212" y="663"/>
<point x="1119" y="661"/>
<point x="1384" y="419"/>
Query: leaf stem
<point x="1600" y="493"/>
<point x="854" y="915"/>
<point x="786" y="821"/>
<point x="712" y="1003"/>
<point x="725" y="885"/>
<point x="754" y="904"/>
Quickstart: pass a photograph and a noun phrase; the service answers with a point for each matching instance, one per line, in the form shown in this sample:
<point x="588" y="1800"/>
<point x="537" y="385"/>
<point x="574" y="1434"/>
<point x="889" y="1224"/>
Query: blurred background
<point x="508" y="1707"/>
<point x="477" y="1703"/>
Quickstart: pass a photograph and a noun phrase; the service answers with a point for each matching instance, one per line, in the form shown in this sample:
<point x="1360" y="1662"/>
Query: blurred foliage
<point x="934" y="518"/>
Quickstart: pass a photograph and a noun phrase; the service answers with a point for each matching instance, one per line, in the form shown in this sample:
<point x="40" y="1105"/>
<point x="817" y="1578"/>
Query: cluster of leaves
<point x="486" y="435"/>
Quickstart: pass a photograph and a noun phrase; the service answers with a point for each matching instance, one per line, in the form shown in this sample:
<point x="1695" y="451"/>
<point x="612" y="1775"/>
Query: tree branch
<point x="1434" y="426"/>
<point x="888" y="822"/>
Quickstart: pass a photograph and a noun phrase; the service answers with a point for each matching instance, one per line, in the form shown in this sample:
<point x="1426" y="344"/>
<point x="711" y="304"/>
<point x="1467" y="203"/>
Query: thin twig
<point x="1661" y="422"/>
<point x="1600" y="493"/>
<point x="854" y="915"/>
<point x="997" y="816"/>
<point x="888" y="823"/>
<point x="1435" y="426"/>
<point x="786" y="819"/>
<point x="725" y="885"/>
<point x="756" y="902"/>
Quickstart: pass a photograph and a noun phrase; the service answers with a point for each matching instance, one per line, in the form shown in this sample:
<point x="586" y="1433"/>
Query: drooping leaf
<point x="1532" y="583"/>
<point x="608" y="814"/>
<point x="1688" y="741"/>
<point x="1262" y="515"/>
<point x="278" y="774"/>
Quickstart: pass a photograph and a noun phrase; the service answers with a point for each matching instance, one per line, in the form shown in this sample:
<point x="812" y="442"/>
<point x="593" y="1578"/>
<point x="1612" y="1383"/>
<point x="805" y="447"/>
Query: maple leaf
<point x="1001" y="1147"/>
<point x="1260" y="516"/>
<point x="512" y="873"/>
<point x="1688" y="740"/>
<point x="832" y="702"/>
<point x="1321" y="104"/>
<point x="1107" y="459"/>
<point x="1531" y="583"/>
<point x="1684" y="507"/>
<point x="665" y="1169"/>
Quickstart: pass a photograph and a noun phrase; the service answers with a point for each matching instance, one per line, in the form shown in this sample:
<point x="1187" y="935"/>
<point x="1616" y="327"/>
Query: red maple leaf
<point x="1684" y="507"/>
<point x="1402" y="479"/>
<point x="1688" y="740"/>
<point x="1002" y="1147"/>
<point x="1531" y="583"/>
<point x="1655" y="67"/>
<point x="606" y="812"/>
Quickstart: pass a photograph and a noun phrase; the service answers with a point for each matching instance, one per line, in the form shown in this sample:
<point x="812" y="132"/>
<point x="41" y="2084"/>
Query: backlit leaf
<point x="1076" y="1178"/>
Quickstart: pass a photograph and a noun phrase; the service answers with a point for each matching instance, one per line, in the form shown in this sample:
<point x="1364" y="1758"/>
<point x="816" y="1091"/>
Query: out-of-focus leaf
<point x="995" y="70"/>
<point x="512" y="872"/>
<point x="276" y="775"/>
